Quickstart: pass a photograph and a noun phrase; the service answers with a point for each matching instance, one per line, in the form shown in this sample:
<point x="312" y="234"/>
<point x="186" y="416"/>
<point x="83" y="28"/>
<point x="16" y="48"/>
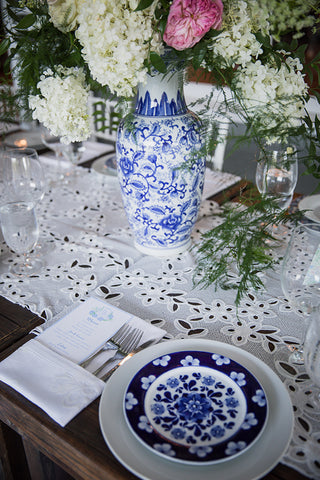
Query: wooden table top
<point x="78" y="448"/>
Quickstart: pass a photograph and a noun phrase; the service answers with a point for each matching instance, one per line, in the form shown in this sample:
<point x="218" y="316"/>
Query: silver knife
<point x="144" y="345"/>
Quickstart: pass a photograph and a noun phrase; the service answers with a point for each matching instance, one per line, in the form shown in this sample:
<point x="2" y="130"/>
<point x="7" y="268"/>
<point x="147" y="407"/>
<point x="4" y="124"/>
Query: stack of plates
<point x="188" y="408"/>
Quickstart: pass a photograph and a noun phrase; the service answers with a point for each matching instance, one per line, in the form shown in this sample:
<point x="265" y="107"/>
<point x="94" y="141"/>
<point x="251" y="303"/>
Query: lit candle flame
<point x="21" y="143"/>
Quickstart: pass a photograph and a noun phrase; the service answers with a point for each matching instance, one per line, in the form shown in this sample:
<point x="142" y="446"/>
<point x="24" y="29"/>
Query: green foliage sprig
<point x="243" y="240"/>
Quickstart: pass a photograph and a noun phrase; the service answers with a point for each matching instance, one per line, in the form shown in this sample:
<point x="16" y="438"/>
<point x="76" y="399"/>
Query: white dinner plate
<point x="311" y="203"/>
<point x="105" y="165"/>
<point x="255" y="462"/>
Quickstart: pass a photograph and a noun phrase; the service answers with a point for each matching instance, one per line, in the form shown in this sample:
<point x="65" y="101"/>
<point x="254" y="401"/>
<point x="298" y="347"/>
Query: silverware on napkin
<point x="125" y="347"/>
<point x="144" y="345"/>
<point x="127" y="336"/>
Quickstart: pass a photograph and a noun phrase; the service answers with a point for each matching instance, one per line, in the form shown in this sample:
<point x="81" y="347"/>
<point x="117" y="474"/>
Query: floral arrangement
<point x="110" y="46"/>
<point x="63" y="49"/>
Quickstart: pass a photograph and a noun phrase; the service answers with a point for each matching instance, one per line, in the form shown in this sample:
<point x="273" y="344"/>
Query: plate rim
<point x="127" y="450"/>
<point x="310" y="214"/>
<point x="102" y="160"/>
<point x="212" y="368"/>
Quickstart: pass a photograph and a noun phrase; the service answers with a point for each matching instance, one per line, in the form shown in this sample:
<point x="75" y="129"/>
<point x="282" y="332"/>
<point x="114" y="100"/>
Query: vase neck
<point x="162" y="95"/>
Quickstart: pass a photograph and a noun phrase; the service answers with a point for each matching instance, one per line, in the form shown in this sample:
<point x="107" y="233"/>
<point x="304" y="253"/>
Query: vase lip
<point x="161" y="96"/>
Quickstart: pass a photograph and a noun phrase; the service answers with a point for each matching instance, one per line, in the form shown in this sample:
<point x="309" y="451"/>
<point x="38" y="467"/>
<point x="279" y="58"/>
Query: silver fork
<point x="113" y="343"/>
<point x="129" y="342"/>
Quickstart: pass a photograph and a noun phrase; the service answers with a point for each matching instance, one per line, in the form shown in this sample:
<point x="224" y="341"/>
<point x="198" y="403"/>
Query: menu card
<point x="85" y="329"/>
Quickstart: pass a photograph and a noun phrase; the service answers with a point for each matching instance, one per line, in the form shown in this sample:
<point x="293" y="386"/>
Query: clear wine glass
<point x="312" y="354"/>
<point x="74" y="154"/>
<point x="54" y="144"/>
<point x="300" y="275"/>
<point x="71" y="153"/>
<point x="277" y="175"/>
<point x="22" y="187"/>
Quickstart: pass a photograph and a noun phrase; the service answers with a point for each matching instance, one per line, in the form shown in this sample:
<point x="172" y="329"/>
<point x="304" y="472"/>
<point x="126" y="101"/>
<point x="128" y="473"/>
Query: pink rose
<point x="190" y="20"/>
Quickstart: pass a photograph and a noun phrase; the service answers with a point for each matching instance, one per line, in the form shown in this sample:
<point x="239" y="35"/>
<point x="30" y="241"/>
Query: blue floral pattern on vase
<point x="160" y="170"/>
<point x="195" y="407"/>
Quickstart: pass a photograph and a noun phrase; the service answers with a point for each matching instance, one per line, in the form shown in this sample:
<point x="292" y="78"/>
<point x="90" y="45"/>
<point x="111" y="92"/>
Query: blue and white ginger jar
<point x="161" y="167"/>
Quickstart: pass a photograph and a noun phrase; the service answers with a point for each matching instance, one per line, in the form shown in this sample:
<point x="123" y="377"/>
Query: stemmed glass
<point x="54" y="144"/>
<point x="22" y="187"/>
<point x="300" y="275"/>
<point x="71" y="152"/>
<point x="312" y="353"/>
<point x="277" y="175"/>
<point x="74" y="154"/>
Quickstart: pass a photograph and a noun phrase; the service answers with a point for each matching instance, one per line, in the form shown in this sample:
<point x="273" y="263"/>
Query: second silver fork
<point x="128" y="344"/>
<point x="113" y="343"/>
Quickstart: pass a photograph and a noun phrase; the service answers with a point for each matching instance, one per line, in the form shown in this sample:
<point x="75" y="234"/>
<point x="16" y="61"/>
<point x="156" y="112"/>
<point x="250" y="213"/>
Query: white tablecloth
<point x="88" y="248"/>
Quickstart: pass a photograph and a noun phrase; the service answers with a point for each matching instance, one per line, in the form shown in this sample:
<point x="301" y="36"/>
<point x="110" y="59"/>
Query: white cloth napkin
<point x="60" y="387"/>
<point x="56" y="384"/>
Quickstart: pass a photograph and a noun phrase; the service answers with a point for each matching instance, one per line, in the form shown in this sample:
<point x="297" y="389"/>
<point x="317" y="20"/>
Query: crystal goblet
<point x="312" y="353"/>
<point x="22" y="186"/>
<point x="276" y="177"/>
<point x="300" y="274"/>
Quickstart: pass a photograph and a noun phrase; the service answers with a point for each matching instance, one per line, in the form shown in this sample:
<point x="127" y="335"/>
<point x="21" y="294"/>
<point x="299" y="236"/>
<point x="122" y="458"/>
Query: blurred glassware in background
<point x="300" y="275"/>
<point x="22" y="186"/>
<point x="71" y="153"/>
<point x="312" y="353"/>
<point x="276" y="177"/>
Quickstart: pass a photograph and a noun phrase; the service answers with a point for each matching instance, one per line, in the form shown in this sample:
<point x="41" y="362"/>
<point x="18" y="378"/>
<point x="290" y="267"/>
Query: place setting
<point x="62" y="369"/>
<point x="196" y="407"/>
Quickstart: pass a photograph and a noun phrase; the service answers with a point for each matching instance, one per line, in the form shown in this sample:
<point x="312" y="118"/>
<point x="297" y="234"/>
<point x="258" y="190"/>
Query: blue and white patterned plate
<point x="195" y="406"/>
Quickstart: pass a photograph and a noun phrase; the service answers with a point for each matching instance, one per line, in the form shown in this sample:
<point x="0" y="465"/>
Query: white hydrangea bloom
<point x="115" y="42"/>
<point x="267" y="91"/>
<point x="237" y="44"/>
<point x="62" y="104"/>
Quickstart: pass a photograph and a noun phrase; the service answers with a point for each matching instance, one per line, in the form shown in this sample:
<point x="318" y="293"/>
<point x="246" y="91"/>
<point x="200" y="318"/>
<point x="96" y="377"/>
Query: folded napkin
<point x="45" y="370"/>
<point x="60" y="387"/>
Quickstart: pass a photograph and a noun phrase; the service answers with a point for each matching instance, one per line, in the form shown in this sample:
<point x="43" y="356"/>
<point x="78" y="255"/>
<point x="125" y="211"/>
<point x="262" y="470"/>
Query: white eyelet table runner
<point x="88" y="249"/>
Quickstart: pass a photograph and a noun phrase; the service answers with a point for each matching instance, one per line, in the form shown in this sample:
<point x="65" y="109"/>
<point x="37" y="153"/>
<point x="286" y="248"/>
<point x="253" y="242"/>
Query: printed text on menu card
<point x="84" y="329"/>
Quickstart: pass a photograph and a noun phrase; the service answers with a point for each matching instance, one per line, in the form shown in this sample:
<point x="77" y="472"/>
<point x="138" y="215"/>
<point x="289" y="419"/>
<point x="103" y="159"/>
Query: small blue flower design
<point x="157" y="408"/>
<point x="200" y="451"/>
<point x="235" y="447"/>
<point x="189" y="361"/>
<point x="232" y="402"/>
<point x="259" y="398"/>
<point x="239" y="378"/>
<point x="171" y="222"/>
<point x="178" y="433"/>
<point x="164" y="448"/>
<point x="217" y="431"/>
<point x="126" y="165"/>
<point x="208" y="380"/>
<point x="144" y="424"/>
<point x="162" y="361"/>
<point x="172" y="382"/>
<point x="220" y="359"/>
<point x="146" y="381"/>
<point x="130" y="400"/>
<point x="249" y="421"/>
